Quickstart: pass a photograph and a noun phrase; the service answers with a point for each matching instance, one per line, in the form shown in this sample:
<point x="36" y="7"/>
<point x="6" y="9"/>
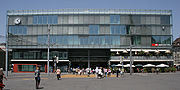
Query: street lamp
<point x="48" y="49"/>
<point x="130" y="53"/>
<point x="7" y="32"/>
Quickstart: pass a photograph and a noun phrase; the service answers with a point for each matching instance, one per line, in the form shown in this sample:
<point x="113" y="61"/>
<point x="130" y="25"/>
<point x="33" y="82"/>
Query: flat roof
<point x="89" y="11"/>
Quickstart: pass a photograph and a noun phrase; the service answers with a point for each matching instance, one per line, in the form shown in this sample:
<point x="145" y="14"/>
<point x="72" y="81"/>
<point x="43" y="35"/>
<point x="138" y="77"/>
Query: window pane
<point x="161" y="39"/>
<point x="165" y="19"/>
<point x="115" y="19"/>
<point x="118" y="29"/>
<point x="93" y="29"/>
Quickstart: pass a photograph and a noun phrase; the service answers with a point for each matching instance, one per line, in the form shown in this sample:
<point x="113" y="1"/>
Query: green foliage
<point x="145" y="70"/>
<point x="173" y="69"/>
<point x="166" y="70"/>
<point x="141" y="53"/>
<point x="160" y="69"/>
<point x="112" y="54"/>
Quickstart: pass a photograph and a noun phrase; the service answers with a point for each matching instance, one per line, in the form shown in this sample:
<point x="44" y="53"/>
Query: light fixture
<point x="157" y="51"/>
<point x="163" y="28"/>
<point x="146" y="51"/>
<point x="168" y="51"/>
<point x="117" y="53"/>
<point x="135" y="52"/>
<point x="125" y="51"/>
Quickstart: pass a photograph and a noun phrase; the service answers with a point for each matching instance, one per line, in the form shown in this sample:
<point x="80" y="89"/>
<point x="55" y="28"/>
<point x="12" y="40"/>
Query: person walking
<point x="109" y="72"/>
<point x="105" y="72"/>
<point x="1" y="79"/>
<point x="37" y="77"/>
<point x="58" y="72"/>
<point x="117" y="72"/>
<point x="157" y="71"/>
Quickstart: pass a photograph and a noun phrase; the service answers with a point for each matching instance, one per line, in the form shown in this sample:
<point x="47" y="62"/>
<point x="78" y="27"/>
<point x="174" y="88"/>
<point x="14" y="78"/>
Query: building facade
<point x="2" y="55"/>
<point x="176" y="53"/>
<point x="88" y="37"/>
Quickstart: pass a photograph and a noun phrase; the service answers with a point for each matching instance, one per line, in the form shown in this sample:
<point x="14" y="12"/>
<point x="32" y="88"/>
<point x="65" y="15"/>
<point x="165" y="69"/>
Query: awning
<point x="149" y="65"/>
<point x="162" y="65"/>
<point x="128" y="65"/>
<point x="139" y="65"/>
<point x="145" y="50"/>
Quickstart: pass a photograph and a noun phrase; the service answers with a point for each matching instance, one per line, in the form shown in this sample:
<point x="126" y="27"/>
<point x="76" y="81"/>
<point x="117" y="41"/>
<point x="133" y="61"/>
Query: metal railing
<point x="143" y="57"/>
<point x="88" y="11"/>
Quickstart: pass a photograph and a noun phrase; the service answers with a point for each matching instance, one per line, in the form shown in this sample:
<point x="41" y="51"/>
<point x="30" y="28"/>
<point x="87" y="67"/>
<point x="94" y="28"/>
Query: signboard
<point x="160" y="45"/>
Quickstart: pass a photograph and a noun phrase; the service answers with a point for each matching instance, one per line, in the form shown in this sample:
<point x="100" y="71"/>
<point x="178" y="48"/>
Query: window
<point x="136" y="40"/>
<point x="115" y="40"/>
<point x="50" y="19"/>
<point x="115" y="19"/>
<point x="118" y="29"/>
<point x="18" y="30"/>
<point x="93" y="29"/>
<point x="135" y="19"/>
<point x="161" y="39"/>
<point x="165" y="19"/>
<point x="42" y="40"/>
<point x="26" y="68"/>
<point x="83" y="40"/>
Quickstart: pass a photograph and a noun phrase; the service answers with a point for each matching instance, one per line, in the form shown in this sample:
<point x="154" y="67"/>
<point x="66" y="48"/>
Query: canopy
<point x="113" y="65"/>
<point x="128" y="65"/>
<point x="118" y="65"/>
<point x="139" y="65"/>
<point x="149" y="65"/>
<point x="162" y="65"/>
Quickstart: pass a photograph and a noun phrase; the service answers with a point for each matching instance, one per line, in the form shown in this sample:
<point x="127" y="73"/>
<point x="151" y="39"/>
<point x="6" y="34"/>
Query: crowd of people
<point x="98" y="71"/>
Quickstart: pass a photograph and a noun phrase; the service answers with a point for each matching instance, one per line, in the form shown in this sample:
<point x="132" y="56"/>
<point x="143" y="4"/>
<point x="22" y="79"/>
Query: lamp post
<point x="48" y="49"/>
<point x="122" y="63"/>
<point x="7" y="32"/>
<point x="130" y="53"/>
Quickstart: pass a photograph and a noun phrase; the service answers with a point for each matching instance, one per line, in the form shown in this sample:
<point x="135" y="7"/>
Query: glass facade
<point x="26" y="68"/>
<point x="49" y="19"/>
<point x="161" y="39"/>
<point x="38" y="54"/>
<point x="92" y="30"/>
<point x="115" y="19"/>
<point x="80" y="40"/>
<point x="18" y="30"/>
<point x="73" y="31"/>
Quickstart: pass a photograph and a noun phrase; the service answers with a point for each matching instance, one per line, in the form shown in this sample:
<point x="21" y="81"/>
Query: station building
<point x="88" y="37"/>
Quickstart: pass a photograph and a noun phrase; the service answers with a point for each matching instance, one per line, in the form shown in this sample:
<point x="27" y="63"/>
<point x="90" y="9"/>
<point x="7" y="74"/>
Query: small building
<point x="176" y="52"/>
<point x="2" y="55"/>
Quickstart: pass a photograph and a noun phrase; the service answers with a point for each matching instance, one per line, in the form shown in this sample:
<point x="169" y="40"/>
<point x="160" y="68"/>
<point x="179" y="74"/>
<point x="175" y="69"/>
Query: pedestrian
<point x="157" y="71"/>
<point x="122" y="72"/>
<point x="100" y="74"/>
<point x="37" y="77"/>
<point x="76" y="71"/>
<point x="58" y="72"/>
<point x="96" y="71"/>
<point x="117" y="72"/>
<point x="105" y="72"/>
<point x="109" y="72"/>
<point x="1" y="79"/>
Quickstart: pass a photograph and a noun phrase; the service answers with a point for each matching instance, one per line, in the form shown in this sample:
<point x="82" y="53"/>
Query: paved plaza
<point x="138" y="81"/>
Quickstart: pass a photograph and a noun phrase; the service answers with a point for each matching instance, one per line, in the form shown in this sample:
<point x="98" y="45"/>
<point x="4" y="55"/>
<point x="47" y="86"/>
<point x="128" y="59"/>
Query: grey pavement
<point x="138" y="81"/>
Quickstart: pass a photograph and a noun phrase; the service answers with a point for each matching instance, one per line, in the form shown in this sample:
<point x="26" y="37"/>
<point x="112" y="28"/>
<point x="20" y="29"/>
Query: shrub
<point x="173" y="69"/>
<point x="145" y="70"/>
<point x="166" y="70"/>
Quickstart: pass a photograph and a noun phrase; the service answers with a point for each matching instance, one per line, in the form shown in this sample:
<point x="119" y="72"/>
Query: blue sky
<point x="95" y="4"/>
